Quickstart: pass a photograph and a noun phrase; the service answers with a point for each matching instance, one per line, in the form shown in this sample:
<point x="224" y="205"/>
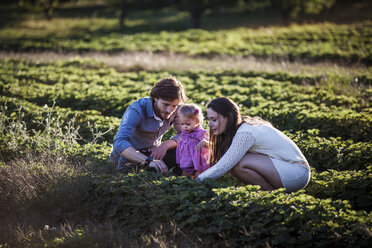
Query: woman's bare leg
<point x="249" y="176"/>
<point x="257" y="169"/>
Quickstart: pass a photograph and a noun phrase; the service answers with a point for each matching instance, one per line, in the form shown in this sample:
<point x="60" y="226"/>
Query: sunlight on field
<point x="61" y="27"/>
<point x="65" y="84"/>
<point x="174" y="62"/>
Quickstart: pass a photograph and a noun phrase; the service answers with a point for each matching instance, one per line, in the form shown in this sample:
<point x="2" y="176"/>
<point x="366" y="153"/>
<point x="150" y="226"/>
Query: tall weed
<point x="43" y="174"/>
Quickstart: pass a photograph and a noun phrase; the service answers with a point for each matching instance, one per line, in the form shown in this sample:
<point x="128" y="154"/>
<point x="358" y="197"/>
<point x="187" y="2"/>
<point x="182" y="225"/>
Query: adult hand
<point x="159" y="166"/>
<point x="159" y="152"/>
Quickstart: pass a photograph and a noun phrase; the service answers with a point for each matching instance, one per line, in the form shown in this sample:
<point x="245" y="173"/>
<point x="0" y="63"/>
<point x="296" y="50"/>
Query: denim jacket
<point x="141" y="129"/>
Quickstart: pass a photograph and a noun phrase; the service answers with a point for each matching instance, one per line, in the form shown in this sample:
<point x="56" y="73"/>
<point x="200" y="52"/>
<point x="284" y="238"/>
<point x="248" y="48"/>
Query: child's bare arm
<point x="202" y="144"/>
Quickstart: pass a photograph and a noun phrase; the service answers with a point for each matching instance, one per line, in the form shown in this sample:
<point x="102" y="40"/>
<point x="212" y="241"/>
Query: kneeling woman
<point x="252" y="150"/>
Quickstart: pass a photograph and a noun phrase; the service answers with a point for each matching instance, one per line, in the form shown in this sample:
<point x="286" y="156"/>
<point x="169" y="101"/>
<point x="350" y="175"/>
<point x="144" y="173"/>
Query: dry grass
<point x="340" y="78"/>
<point x="43" y="197"/>
<point x="176" y="62"/>
<point x="90" y="234"/>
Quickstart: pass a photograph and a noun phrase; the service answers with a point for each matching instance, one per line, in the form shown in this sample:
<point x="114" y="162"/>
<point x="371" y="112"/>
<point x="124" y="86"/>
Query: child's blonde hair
<point x="191" y="111"/>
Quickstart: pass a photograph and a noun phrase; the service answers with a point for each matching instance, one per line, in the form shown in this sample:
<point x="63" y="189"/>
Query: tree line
<point x="290" y="10"/>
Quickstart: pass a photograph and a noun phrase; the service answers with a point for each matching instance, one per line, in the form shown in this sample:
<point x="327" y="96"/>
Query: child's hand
<point x="201" y="144"/>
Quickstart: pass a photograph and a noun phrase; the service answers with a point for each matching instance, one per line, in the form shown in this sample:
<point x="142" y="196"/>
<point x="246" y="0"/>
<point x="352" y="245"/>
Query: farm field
<point x="310" y="42"/>
<point x="63" y="95"/>
<point x="167" y="31"/>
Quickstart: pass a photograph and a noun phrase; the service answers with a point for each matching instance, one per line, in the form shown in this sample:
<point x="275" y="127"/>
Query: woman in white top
<point x="252" y="150"/>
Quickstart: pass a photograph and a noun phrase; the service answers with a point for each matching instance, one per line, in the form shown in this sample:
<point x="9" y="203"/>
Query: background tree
<point x="46" y="6"/>
<point x="252" y="5"/>
<point x="293" y="9"/>
<point x="197" y="8"/>
<point x="126" y="5"/>
<point x="123" y="5"/>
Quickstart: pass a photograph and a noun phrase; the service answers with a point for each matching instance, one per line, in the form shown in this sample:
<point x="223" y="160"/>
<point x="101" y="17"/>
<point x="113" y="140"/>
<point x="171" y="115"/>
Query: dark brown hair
<point x="227" y="108"/>
<point x="169" y="89"/>
<point x="220" y="143"/>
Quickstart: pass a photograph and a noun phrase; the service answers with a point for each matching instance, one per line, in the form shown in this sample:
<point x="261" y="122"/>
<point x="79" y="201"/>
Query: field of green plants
<point x="333" y="131"/>
<point x="312" y="42"/>
<point x="58" y="120"/>
<point x="167" y="32"/>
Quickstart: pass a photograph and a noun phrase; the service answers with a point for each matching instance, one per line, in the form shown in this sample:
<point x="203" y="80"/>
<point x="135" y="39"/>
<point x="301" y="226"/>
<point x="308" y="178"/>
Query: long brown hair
<point x="227" y="108"/>
<point x="220" y="143"/>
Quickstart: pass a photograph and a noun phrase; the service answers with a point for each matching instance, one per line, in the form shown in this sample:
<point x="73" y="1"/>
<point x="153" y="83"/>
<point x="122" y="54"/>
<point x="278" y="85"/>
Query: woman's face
<point x="217" y="122"/>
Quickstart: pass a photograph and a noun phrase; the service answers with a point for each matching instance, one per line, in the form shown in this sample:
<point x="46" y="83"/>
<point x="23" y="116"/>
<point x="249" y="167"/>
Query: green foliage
<point x="294" y="8"/>
<point x="354" y="186"/>
<point x="97" y="93"/>
<point x="332" y="153"/>
<point x="27" y="128"/>
<point x="46" y="5"/>
<point x="62" y="114"/>
<point x="197" y="8"/>
<point x="219" y="214"/>
<point x="332" y="130"/>
<point x="330" y="42"/>
<point x="89" y="123"/>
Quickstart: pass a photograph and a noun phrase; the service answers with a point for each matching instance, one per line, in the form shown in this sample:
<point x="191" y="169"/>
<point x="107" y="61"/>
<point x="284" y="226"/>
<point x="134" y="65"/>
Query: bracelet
<point x="148" y="160"/>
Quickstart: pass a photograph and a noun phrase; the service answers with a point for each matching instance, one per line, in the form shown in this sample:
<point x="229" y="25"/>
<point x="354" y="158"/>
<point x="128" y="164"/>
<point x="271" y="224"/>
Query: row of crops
<point x="350" y="43"/>
<point x="283" y="101"/>
<point x="333" y="131"/>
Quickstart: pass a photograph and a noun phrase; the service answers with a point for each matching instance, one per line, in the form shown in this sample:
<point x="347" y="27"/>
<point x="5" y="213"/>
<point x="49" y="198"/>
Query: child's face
<point x="188" y="124"/>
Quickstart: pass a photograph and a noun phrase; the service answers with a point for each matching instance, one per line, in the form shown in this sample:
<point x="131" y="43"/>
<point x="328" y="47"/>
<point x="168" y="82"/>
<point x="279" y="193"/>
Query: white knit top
<point x="261" y="138"/>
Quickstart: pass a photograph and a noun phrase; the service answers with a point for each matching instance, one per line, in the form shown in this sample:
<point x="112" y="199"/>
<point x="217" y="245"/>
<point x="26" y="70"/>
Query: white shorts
<point x="293" y="176"/>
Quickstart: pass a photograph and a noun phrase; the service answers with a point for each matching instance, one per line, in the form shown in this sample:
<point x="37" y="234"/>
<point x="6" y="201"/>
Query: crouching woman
<point x="252" y="150"/>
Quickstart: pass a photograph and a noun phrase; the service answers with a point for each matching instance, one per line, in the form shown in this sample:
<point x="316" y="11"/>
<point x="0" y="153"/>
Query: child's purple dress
<point x="187" y="156"/>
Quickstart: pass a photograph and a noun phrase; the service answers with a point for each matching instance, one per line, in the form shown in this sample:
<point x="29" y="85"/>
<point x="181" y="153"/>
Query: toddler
<point x="192" y="152"/>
